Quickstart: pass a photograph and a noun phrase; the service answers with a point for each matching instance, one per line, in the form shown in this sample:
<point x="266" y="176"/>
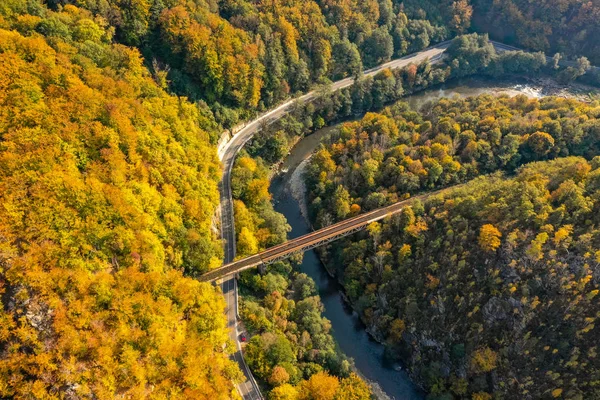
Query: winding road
<point x="249" y="389"/>
<point x="227" y="154"/>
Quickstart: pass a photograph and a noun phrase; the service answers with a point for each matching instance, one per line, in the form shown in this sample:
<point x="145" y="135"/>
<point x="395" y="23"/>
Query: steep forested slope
<point x="107" y="190"/>
<point x="569" y="27"/>
<point x="566" y="26"/>
<point x="490" y="290"/>
<point x="243" y="56"/>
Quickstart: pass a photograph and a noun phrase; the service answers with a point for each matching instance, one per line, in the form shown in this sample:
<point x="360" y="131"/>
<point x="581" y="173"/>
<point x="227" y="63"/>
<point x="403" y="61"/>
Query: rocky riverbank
<point x="297" y="187"/>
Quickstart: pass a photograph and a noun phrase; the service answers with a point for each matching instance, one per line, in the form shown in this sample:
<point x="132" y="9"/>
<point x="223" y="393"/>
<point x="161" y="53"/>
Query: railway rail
<point x="314" y="239"/>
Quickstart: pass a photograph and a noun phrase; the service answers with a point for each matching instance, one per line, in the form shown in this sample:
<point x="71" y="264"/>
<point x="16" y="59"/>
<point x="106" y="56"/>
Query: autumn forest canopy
<point x="491" y="289"/>
<point x="110" y="113"/>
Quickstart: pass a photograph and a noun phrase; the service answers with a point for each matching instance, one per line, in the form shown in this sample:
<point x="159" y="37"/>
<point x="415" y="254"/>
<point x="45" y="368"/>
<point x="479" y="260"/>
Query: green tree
<point x="378" y="47"/>
<point x="341" y="200"/>
<point x="483" y="360"/>
<point x="540" y="143"/>
<point x="347" y="61"/>
<point x="284" y="392"/>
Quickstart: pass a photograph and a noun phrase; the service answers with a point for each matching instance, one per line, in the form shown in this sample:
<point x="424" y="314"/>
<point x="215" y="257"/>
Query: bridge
<point x="227" y="153"/>
<point x="314" y="239"/>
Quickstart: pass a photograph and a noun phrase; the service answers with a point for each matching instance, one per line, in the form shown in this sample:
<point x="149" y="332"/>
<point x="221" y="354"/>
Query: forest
<point x="108" y="185"/>
<point x="110" y="112"/>
<point x="449" y="143"/>
<point x="507" y="267"/>
<point x="241" y="56"/>
<point x="292" y="351"/>
<point x="384" y="156"/>
<point x="567" y="27"/>
<point x="109" y="179"/>
<point x="467" y="55"/>
<point x="236" y="58"/>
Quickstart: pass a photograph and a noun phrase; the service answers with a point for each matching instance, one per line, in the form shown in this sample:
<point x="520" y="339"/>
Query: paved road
<point x="228" y="152"/>
<point x="248" y="389"/>
<point x="227" y="155"/>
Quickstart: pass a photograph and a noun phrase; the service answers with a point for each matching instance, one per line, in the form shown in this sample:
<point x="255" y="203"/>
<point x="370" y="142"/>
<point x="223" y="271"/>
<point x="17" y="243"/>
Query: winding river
<point x="388" y="378"/>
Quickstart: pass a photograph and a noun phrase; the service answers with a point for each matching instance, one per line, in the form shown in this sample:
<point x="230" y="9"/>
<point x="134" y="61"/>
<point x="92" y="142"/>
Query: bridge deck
<point x="313" y="239"/>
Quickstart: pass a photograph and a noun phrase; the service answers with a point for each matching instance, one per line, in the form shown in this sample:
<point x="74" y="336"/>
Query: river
<point x="348" y="330"/>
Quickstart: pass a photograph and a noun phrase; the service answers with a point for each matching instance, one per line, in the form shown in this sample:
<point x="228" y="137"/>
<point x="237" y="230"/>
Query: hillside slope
<point x="108" y="186"/>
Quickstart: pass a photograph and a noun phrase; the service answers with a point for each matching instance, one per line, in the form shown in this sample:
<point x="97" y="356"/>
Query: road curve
<point x="248" y="389"/>
<point x="227" y="154"/>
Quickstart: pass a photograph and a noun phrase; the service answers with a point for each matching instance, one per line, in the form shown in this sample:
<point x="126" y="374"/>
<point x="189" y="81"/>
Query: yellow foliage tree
<point x="247" y="244"/>
<point x="284" y="392"/>
<point x="258" y="191"/>
<point x="244" y="218"/>
<point x="353" y="388"/>
<point x="108" y="186"/>
<point x="483" y="360"/>
<point x="279" y="376"/>
<point x="489" y="237"/>
<point x="320" y="386"/>
<point x="397" y="328"/>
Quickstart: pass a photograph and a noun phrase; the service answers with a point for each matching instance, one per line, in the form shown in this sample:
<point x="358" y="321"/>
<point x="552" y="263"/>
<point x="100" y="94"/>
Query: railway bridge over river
<point x="313" y="239"/>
